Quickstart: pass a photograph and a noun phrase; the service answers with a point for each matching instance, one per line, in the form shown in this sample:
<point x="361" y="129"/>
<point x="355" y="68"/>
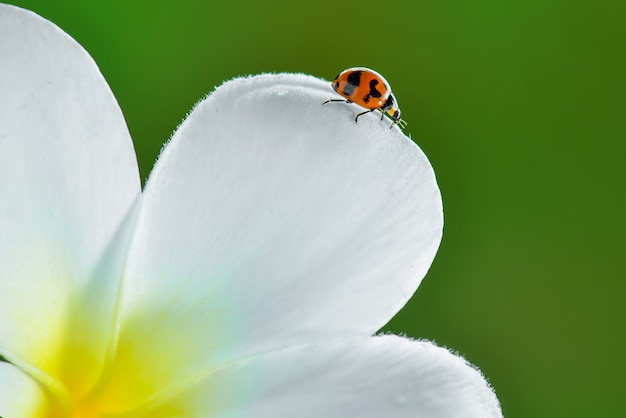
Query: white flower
<point x="273" y="238"/>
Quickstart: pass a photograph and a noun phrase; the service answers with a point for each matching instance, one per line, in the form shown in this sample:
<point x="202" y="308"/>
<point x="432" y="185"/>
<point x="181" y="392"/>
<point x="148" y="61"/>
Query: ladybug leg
<point x="356" y="118"/>
<point x="337" y="100"/>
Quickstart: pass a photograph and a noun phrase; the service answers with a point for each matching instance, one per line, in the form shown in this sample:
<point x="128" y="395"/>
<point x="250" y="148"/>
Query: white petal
<point x="269" y="220"/>
<point x="372" y="377"/>
<point x="68" y="178"/>
<point x="20" y="396"/>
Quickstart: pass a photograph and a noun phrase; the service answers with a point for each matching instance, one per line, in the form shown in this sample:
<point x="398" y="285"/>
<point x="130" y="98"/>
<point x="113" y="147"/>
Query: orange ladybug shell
<point x="363" y="86"/>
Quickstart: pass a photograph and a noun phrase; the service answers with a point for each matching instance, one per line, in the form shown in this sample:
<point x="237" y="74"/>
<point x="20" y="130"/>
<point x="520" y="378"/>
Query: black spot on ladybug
<point x="354" y="79"/>
<point x="373" y="91"/>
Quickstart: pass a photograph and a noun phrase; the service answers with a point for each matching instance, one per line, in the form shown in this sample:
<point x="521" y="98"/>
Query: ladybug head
<point x="395" y="115"/>
<point x="392" y="109"/>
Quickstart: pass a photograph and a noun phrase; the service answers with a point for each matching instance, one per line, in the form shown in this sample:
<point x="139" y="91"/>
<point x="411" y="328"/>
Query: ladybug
<point x="367" y="89"/>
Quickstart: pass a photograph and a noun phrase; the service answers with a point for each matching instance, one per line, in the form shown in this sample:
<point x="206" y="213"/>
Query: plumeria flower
<point x="273" y="239"/>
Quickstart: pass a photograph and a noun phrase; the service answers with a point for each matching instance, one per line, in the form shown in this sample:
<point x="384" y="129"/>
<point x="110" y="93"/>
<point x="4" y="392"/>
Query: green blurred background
<point x="520" y="107"/>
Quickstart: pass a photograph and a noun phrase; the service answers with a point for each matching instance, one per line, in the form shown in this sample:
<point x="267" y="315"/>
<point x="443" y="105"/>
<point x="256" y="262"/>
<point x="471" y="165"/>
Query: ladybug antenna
<point x="400" y="122"/>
